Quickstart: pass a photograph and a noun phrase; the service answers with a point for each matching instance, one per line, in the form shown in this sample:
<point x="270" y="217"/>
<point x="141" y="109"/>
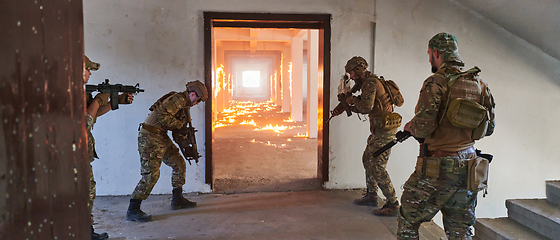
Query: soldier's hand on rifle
<point x="340" y="97"/>
<point x="183" y="131"/>
<point x="126" y="98"/>
<point x="407" y="127"/>
<point x="337" y="111"/>
<point x="351" y="100"/>
<point x="102" y="98"/>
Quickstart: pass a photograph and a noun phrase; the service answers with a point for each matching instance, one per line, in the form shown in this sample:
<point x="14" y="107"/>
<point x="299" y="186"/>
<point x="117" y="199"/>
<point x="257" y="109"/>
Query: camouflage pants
<point x="91" y="157"/>
<point x="91" y="192"/>
<point x="155" y="148"/>
<point x="376" y="167"/>
<point x="424" y="196"/>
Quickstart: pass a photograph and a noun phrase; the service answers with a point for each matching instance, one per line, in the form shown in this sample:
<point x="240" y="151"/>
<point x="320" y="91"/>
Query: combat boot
<point x="96" y="236"/>
<point x="389" y="209"/>
<point x="135" y="214"/>
<point x="370" y="199"/>
<point x="178" y="201"/>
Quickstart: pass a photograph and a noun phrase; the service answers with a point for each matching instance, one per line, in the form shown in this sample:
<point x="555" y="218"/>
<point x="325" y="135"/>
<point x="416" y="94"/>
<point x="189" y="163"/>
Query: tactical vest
<point x="462" y="102"/>
<point x="158" y="103"/>
<point x="382" y="103"/>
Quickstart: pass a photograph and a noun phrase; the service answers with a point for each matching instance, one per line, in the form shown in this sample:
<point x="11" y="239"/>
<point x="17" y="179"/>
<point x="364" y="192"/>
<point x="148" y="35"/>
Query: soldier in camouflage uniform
<point x="155" y="146"/>
<point x="375" y="102"/>
<point x="95" y="108"/>
<point x="449" y="148"/>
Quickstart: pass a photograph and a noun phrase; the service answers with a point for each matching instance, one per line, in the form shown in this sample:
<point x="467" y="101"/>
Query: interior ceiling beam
<point x="259" y="24"/>
<point x="240" y="34"/>
<point x="253" y="32"/>
<point x="298" y="33"/>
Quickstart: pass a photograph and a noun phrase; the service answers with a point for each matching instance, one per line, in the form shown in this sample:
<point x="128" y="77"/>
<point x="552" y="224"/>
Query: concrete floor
<point x="319" y="214"/>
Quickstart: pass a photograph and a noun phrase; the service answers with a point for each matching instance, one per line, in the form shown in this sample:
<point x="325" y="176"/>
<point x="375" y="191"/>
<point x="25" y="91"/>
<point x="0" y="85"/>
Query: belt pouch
<point x="477" y="174"/>
<point x="432" y="167"/>
<point x="427" y="166"/>
<point x="420" y="166"/>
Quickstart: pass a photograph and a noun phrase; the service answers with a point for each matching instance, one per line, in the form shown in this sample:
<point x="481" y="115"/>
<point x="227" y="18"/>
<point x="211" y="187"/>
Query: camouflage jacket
<point x="428" y="123"/>
<point x="374" y="100"/>
<point x="166" y="113"/>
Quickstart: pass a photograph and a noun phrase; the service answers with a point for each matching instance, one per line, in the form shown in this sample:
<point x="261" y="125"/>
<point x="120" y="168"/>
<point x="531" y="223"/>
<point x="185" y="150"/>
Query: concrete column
<point x="297" y="79"/>
<point x="312" y="82"/>
<point x="285" y="94"/>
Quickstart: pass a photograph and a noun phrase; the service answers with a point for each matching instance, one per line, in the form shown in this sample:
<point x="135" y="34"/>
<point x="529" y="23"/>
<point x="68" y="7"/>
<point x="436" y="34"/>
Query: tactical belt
<point x="152" y="128"/>
<point x="438" y="153"/>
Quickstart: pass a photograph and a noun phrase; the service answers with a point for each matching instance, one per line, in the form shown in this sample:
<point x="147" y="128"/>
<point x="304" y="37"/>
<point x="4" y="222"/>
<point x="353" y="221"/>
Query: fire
<point x="220" y="77"/>
<point x="276" y="129"/>
<point x="218" y="125"/>
<point x="239" y="113"/>
<point x="301" y="135"/>
<point x="252" y="122"/>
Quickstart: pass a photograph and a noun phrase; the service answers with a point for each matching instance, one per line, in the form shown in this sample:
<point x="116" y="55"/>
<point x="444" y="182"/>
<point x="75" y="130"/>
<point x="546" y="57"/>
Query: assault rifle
<point x="184" y="137"/>
<point x="114" y="90"/>
<point x="343" y="105"/>
<point x="400" y="137"/>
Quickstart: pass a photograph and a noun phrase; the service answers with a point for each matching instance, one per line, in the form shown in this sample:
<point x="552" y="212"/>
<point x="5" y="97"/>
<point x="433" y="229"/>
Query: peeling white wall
<point x="160" y="45"/>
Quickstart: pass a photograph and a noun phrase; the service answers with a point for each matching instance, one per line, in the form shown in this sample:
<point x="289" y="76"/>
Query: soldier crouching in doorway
<point x="155" y="146"/>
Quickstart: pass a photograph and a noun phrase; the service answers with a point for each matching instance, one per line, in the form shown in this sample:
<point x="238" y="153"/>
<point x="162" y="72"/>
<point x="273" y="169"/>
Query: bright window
<point x="251" y="79"/>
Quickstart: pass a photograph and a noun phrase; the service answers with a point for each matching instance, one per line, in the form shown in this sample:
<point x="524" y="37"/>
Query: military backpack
<point x="393" y="90"/>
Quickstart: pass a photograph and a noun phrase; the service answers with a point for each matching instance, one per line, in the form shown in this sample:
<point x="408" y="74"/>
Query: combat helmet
<point x="198" y="87"/>
<point x="92" y="66"/>
<point x="446" y="45"/>
<point x="357" y="64"/>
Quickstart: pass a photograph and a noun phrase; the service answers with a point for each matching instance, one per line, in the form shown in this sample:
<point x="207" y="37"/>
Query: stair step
<point x="553" y="191"/>
<point x="431" y="231"/>
<point x="537" y="214"/>
<point x="503" y="229"/>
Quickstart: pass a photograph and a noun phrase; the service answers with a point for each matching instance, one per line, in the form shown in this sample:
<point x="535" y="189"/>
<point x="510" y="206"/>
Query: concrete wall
<point x="160" y="45"/>
<point x="524" y="81"/>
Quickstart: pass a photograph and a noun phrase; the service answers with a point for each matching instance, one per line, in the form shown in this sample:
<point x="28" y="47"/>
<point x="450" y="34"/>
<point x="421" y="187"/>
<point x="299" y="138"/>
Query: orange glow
<point x="290" y="71"/>
<point x="276" y="129"/>
<point x="281" y="77"/>
<point x="218" y="125"/>
<point x="252" y="122"/>
<point x="219" y="80"/>
<point x="302" y="135"/>
<point x="239" y="114"/>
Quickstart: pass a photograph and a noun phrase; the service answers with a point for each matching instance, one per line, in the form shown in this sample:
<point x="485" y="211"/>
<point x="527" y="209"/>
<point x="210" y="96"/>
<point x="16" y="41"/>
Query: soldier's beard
<point x="432" y="60"/>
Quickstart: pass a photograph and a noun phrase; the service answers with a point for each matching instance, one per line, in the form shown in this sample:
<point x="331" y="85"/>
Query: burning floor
<point x="257" y="148"/>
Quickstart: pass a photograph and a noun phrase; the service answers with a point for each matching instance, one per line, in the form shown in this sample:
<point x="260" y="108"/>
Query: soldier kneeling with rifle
<point x="170" y="113"/>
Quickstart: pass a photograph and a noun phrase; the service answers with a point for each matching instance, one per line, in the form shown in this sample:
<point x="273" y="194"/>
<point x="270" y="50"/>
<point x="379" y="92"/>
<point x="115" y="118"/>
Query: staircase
<point x="528" y="219"/>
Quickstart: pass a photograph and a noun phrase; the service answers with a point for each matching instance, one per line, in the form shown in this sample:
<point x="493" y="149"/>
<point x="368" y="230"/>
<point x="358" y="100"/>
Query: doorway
<point x="263" y="118"/>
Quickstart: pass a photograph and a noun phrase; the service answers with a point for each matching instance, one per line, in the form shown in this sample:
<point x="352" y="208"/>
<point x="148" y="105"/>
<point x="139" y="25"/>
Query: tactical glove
<point x="102" y="98"/>
<point x="123" y="98"/>
<point x="351" y="100"/>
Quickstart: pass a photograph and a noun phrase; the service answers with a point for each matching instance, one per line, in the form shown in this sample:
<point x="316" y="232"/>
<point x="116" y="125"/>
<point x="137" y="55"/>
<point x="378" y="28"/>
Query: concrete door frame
<point x="322" y="22"/>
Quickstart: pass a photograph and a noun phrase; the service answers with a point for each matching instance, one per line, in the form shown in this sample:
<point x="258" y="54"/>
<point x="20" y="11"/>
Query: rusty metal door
<point x="43" y="163"/>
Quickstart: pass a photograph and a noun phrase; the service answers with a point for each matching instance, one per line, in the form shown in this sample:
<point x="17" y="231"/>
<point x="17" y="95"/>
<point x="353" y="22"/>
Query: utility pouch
<point x="391" y="121"/>
<point x="428" y="166"/>
<point x="466" y="113"/>
<point x="480" y="131"/>
<point x="478" y="174"/>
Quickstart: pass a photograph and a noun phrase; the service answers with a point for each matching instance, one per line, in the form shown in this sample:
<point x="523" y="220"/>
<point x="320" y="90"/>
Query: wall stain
<point x="416" y="7"/>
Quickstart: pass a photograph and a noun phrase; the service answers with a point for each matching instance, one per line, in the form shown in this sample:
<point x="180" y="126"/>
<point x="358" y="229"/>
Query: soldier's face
<point x="194" y="98"/>
<point x="87" y="74"/>
<point x="353" y="75"/>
